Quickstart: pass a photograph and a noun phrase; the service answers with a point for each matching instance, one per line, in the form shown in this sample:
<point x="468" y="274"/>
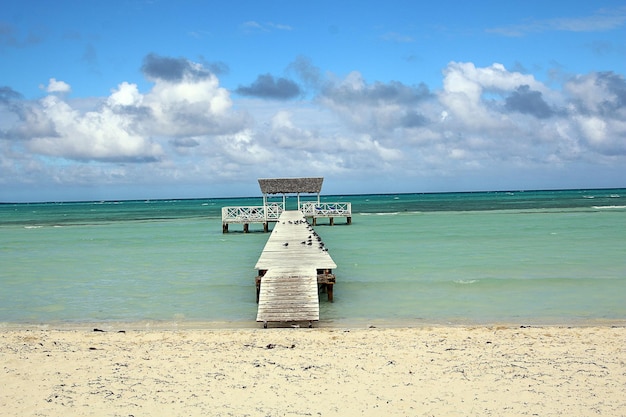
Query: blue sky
<point x="163" y="99"/>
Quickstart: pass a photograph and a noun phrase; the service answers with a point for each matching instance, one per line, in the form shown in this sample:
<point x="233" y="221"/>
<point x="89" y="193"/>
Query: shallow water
<point x="531" y="257"/>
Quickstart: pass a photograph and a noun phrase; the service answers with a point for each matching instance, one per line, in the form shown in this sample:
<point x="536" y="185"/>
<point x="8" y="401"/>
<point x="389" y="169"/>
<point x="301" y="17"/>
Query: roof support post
<point x="264" y="207"/>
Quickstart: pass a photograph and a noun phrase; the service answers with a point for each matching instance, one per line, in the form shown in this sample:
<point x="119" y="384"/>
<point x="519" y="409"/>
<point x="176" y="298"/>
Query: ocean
<point x="521" y="257"/>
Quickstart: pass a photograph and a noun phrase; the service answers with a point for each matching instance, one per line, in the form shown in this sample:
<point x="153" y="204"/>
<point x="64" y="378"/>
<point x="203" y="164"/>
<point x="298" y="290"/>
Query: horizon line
<point x="306" y="194"/>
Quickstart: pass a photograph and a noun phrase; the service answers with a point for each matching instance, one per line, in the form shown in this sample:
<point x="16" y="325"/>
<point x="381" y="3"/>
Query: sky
<point x="147" y="99"/>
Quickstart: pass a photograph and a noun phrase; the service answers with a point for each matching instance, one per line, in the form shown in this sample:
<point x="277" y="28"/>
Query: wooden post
<point x="224" y="227"/>
<point x="349" y="220"/>
<point x="257" y="280"/>
<point x="329" y="290"/>
<point x="266" y="227"/>
<point x="245" y="227"/>
<point x="332" y="221"/>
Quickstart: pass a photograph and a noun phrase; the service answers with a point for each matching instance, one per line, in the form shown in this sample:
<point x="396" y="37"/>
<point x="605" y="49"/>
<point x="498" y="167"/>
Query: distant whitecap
<point x="608" y="207"/>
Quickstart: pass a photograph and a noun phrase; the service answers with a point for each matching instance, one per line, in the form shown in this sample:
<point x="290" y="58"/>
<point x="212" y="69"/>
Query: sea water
<point x="460" y="258"/>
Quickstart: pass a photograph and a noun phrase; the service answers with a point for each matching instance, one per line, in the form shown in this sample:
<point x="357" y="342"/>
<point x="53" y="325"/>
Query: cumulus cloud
<point x="466" y="78"/>
<point x="126" y="95"/>
<point x="598" y="108"/>
<point x="354" y="89"/>
<point x="243" y="149"/>
<point x="482" y="118"/>
<point x="217" y="67"/>
<point x="7" y="94"/>
<point x="526" y="101"/>
<point x="413" y="119"/>
<point x="286" y="135"/>
<point x="25" y="121"/>
<point x="376" y="107"/>
<point x="187" y="108"/>
<point x="186" y="127"/>
<point x="485" y="116"/>
<point x="100" y="135"/>
<point x="466" y="88"/>
<point x="187" y="142"/>
<point x="598" y="93"/>
<point x="266" y="86"/>
<point x="156" y="67"/>
<point x="56" y="86"/>
<point x="185" y="101"/>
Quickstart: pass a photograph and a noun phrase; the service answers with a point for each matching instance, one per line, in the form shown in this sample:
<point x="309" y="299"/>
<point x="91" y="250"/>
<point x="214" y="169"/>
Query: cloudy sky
<point x="126" y="99"/>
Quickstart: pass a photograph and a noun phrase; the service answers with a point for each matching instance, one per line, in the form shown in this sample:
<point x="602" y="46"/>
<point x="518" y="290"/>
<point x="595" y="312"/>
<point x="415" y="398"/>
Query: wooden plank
<point x="291" y="257"/>
<point x="292" y="244"/>
<point x="288" y="297"/>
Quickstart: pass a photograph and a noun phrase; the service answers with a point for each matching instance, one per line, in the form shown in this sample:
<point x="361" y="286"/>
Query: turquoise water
<point x="521" y="257"/>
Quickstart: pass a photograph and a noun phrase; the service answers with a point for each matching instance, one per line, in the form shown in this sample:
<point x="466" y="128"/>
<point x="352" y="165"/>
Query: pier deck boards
<point x="288" y="295"/>
<point x="289" y="266"/>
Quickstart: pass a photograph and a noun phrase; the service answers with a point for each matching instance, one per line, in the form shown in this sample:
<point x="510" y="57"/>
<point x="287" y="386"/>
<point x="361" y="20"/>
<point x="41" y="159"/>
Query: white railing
<point x="274" y="210"/>
<point x="252" y="214"/>
<point x="271" y="212"/>
<point x="312" y="208"/>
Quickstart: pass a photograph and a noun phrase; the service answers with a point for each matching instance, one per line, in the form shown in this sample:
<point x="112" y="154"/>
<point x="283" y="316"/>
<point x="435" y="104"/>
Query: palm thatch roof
<point x="290" y="185"/>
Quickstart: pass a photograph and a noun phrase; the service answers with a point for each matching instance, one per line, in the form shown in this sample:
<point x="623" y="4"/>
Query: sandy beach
<point x="427" y="371"/>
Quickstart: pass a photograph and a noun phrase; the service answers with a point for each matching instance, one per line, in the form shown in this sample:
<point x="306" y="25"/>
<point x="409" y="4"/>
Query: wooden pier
<point x="292" y="268"/>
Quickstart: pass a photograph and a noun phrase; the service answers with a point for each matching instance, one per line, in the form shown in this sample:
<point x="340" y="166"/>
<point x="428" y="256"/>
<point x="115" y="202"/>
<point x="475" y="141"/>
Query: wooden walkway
<point x="290" y="267"/>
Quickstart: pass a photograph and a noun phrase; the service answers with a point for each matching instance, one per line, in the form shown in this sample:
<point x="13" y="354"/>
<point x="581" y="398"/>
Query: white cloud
<point x="605" y="136"/>
<point x="191" y="131"/>
<point x="127" y="125"/>
<point x="190" y="107"/>
<point x="125" y="95"/>
<point x="594" y="129"/>
<point x="599" y="111"/>
<point x="285" y="135"/>
<point x="592" y="92"/>
<point x="493" y="78"/>
<point x="55" y="86"/>
<point x="464" y="87"/>
<point x="102" y="135"/>
<point x="243" y="149"/>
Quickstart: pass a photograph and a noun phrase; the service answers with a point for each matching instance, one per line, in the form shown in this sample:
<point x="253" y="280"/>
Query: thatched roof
<point x="290" y="185"/>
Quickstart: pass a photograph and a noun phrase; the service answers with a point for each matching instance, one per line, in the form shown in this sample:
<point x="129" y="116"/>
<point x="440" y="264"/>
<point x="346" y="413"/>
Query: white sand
<point x="447" y="371"/>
